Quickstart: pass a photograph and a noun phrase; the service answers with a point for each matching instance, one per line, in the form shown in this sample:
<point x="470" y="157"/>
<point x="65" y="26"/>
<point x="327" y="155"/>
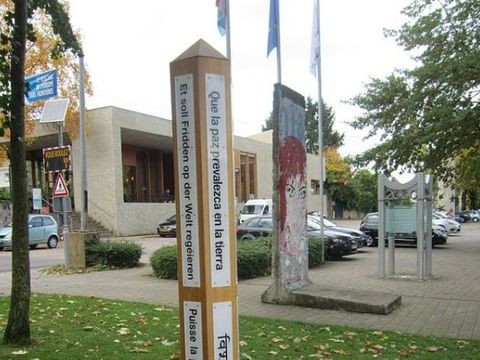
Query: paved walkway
<point x="447" y="305"/>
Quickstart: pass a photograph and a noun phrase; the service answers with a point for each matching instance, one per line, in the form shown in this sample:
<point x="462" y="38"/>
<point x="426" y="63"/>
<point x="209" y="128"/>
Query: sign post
<point x="202" y="133"/>
<point x="41" y="86"/>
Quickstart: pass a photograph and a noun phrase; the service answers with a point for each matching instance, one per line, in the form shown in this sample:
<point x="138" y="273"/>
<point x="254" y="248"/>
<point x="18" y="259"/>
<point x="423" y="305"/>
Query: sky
<point x="129" y="45"/>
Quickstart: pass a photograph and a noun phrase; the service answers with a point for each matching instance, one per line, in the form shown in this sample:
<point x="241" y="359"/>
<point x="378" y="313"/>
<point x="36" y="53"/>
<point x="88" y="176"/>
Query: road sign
<point x="41" y="86"/>
<point x="60" y="189"/>
<point x="57" y="204"/>
<point x="57" y="159"/>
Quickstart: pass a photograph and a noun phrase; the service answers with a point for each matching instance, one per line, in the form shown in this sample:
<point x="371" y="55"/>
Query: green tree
<point x="364" y="185"/>
<point x="428" y="115"/>
<point x="268" y="123"/>
<point x="331" y="137"/>
<point x="14" y="31"/>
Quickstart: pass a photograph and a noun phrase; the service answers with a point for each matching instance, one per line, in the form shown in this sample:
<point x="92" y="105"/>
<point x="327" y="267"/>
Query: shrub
<point x="254" y="258"/>
<point x="164" y="262"/>
<point x="315" y="250"/>
<point x="119" y="253"/>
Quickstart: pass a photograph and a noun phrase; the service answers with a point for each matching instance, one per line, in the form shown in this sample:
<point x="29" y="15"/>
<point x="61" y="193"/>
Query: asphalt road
<point x="42" y="256"/>
<point x="39" y="257"/>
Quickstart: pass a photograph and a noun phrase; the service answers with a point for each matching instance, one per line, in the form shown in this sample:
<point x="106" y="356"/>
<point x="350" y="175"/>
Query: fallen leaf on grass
<point x="19" y="352"/>
<point x="245" y="356"/>
<point x="138" y="350"/>
<point x="337" y="340"/>
<point x="165" y="342"/>
<point x="284" y="346"/>
<point x="434" y="348"/>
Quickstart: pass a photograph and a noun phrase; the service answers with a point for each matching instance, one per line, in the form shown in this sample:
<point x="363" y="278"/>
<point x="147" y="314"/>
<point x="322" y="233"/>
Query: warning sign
<point x="60" y="189"/>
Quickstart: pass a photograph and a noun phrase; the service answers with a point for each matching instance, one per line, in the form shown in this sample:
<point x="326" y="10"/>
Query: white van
<point x="255" y="207"/>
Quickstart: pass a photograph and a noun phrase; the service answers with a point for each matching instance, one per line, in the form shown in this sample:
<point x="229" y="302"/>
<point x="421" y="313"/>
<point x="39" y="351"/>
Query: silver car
<point x="42" y="229"/>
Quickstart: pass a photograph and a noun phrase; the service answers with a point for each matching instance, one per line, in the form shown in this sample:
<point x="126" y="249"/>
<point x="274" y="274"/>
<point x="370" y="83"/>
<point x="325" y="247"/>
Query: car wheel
<point x="33" y="246"/>
<point x="52" y="242"/>
<point x="247" y="237"/>
<point x="462" y="220"/>
<point x="1" y="248"/>
<point x="475" y="219"/>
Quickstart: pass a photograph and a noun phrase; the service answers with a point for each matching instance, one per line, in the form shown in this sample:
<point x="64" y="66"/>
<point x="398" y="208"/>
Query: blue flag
<point x="221" y="16"/>
<point x="272" y="27"/>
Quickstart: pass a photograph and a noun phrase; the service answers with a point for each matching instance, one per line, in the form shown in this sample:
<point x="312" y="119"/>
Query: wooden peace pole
<point x="203" y="157"/>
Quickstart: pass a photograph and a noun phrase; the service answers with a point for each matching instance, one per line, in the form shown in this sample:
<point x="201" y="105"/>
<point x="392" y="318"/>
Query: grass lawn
<point x="68" y="327"/>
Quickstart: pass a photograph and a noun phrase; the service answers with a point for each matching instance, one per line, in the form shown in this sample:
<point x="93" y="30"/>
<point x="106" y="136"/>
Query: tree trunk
<point x="18" y="326"/>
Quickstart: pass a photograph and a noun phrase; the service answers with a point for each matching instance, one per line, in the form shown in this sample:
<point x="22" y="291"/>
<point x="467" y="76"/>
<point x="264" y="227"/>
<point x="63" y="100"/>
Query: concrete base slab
<point x="347" y="300"/>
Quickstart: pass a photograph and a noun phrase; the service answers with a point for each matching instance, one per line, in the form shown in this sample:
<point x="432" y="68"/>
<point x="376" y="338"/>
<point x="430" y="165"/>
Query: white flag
<point x="315" y="49"/>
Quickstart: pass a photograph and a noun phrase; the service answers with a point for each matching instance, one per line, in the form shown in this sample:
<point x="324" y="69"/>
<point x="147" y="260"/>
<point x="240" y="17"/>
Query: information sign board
<point x="41" y="86"/>
<point x="57" y="159"/>
<point x="401" y="220"/>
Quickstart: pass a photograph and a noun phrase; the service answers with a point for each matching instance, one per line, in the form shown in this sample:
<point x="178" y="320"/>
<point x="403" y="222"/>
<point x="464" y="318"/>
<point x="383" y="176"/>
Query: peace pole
<point x="203" y="157"/>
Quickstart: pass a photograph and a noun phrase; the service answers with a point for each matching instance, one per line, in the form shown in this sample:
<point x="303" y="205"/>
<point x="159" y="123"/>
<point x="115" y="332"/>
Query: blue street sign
<point x="41" y="86"/>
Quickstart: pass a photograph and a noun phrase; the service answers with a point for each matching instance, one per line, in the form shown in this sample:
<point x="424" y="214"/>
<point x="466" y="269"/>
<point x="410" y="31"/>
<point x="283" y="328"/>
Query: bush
<point x="315" y="251"/>
<point x="119" y="253"/>
<point x="164" y="262"/>
<point x="254" y="258"/>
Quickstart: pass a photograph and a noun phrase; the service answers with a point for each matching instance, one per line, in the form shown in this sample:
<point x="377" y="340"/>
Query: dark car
<point x="361" y="238"/>
<point x="168" y="228"/>
<point x="470" y="215"/>
<point x="369" y="226"/>
<point x="336" y="244"/>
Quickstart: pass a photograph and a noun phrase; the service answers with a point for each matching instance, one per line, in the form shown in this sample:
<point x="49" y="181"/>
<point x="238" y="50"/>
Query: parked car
<point x="451" y="226"/>
<point x="168" y="228"/>
<point x="369" y="225"/>
<point x="361" y="238"/>
<point x="42" y="229"/>
<point x="255" y="207"/>
<point x="461" y="217"/>
<point x="473" y="215"/>
<point x="336" y="243"/>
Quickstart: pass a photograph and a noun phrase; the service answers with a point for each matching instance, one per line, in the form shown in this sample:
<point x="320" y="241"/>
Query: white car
<point x="451" y="226"/>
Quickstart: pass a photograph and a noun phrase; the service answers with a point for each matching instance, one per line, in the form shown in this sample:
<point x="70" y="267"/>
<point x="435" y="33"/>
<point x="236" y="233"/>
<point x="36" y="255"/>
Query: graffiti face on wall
<point x="292" y="191"/>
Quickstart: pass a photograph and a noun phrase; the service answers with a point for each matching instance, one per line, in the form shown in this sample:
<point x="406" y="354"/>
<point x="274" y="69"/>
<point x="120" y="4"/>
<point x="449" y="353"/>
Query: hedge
<point x="254" y="258"/>
<point x="118" y="253"/>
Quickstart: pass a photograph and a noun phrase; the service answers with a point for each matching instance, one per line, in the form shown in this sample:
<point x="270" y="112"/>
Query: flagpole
<point x="227" y="29"/>
<point x="279" y="58"/>
<point x="320" y="115"/>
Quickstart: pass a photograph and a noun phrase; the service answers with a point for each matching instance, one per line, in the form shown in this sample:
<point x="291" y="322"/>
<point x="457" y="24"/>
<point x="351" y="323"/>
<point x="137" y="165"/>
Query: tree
<point x="38" y="59"/>
<point x="428" y="115"/>
<point x="14" y="33"/>
<point x="364" y="185"/>
<point x="331" y="138"/>
<point x="338" y="175"/>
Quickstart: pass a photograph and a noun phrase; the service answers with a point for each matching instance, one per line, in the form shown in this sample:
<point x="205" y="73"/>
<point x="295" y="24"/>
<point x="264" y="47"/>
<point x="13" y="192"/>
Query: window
<point x="129" y="184"/>
<point x="315" y="187"/>
<point x="47" y="221"/>
<point x="36" y="222"/>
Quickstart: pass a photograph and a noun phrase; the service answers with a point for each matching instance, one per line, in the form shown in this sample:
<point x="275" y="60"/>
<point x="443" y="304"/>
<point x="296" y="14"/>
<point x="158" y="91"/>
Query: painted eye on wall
<point x="290" y="190"/>
<point x="302" y="193"/>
